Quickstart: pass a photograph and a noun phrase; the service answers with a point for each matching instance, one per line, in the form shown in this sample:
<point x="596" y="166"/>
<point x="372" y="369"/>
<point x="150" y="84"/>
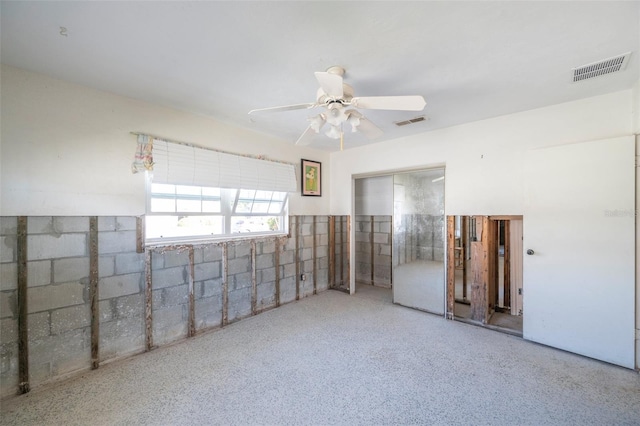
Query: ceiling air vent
<point x="596" y="69"/>
<point x="411" y="121"/>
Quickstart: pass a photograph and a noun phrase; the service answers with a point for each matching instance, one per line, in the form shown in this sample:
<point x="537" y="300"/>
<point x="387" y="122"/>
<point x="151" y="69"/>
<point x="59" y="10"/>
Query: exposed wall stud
<point x="341" y="257"/>
<point x="315" y="260"/>
<point x="371" y="243"/>
<point x="507" y="264"/>
<point x="225" y="285"/>
<point x="348" y="250"/>
<point x="192" y="299"/>
<point x="140" y="234"/>
<point x="297" y="236"/>
<point x="93" y="291"/>
<point x="148" y="320"/>
<point x="254" y="283"/>
<point x="332" y="251"/>
<point x="277" y="263"/>
<point x="465" y="244"/>
<point x="23" y="327"/>
<point x="451" y="270"/>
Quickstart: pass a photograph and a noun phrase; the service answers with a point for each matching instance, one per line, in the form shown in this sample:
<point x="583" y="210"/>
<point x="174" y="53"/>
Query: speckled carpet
<point x="340" y="359"/>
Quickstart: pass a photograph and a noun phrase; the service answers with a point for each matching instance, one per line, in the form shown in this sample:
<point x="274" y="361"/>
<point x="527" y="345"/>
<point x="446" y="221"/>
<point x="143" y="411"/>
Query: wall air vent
<point x="596" y="69"/>
<point x="411" y="121"/>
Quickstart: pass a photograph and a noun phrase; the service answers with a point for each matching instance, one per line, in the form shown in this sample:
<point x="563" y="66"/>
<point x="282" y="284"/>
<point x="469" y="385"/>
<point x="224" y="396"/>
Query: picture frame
<point x="311" y="172"/>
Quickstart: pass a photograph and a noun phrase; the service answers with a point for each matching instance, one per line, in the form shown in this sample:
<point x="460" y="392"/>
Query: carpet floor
<point x="340" y="359"/>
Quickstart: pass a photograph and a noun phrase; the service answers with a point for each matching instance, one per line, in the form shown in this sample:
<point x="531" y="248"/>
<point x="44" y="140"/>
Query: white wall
<point x="484" y="159"/>
<point x="67" y="149"/>
<point x="374" y="196"/>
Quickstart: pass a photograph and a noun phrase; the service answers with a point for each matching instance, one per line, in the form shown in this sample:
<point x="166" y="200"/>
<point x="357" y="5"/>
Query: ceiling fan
<point x="337" y="98"/>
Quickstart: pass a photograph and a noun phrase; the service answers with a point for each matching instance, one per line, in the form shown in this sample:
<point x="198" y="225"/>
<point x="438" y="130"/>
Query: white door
<point x="579" y="221"/>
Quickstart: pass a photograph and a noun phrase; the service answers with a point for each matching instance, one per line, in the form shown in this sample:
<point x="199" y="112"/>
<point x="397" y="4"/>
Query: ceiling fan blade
<point x="402" y="103"/>
<point x="283" y="108"/>
<point x="370" y="130"/>
<point x="306" y="137"/>
<point x="330" y="83"/>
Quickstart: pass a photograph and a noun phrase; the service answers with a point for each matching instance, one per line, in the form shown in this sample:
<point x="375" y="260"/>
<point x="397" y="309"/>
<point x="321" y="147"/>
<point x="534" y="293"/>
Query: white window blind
<point x="187" y="165"/>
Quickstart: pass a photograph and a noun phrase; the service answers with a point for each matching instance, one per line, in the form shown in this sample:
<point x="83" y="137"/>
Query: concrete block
<point x="362" y="237"/>
<point x="239" y="304"/>
<point x="39" y="325"/>
<point x="381" y="238"/>
<point x="290" y="244"/>
<point x="127" y="263"/>
<point x="169" y="277"/>
<point x="288" y="270"/>
<point x="120" y="285"/>
<point x="240" y="281"/>
<point x="207" y="271"/>
<point x="121" y="338"/>
<point x="266" y="247"/>
<point x="210" y="288"/>
<point x="70" y="269"/>
<point x="198" y="255"/>
<point x="64" y="224"/>
<point x="47" y="246"/>
<point x="130" y="306"/>
<point x="8" y="225"/>
<point x="173" y="296"/>
<point x="169" y="324"/>
<point x="106" y="266"/>
<point x="384" y="249"/>
<point x="72" y="318"/>
<point x="306" y="254"/>
<point x="8" y="248"/>
<point x="106" y="223"/>
<point x="66" y="352"/>
<point x="176" y="258"/>
<point x="239" y="265"/>
<point x="56" y="296"/>
<point x="306" y="287"/>
<point x="157" y="261"/>
<point x="242" y="250"/>
<point x="116" y="242"/>
<point x="8" y="304"/>
<point x="39" y="273"/>
<point x="266" y="293"/>
<point x="212" y="253"/>
<point x="322" y="279"/>
<point x="306" y="229"/>
<point x="106" y="310"/>
<point x="208" y="313"/>
<point x="266" y="275"/>
<point x="126" y="223"/>
<point x="8" y="276"/>
<point x="264" y="261"/>
<point x="40" y="225"/>
<point x="8" y="330"/>
<point x="323" y="240"/>
<point x="287" y="257"/>
<point x="287" y="289"/>
<point x="385" y="227"/>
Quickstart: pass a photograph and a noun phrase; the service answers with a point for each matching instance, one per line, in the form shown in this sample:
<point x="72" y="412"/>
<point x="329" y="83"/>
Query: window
<point x="195" y="193"/>
<point x="180" y="212"/>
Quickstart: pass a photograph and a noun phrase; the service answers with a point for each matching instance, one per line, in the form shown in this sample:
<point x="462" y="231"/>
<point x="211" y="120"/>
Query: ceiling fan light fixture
<point x="317" y="122"/>
<point x="354" y="121"/>
<point x="334" y="132"/>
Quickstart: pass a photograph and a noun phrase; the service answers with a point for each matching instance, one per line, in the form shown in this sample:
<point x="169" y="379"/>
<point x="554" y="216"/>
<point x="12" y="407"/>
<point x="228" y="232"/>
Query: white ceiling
<point x="470" y="60"/>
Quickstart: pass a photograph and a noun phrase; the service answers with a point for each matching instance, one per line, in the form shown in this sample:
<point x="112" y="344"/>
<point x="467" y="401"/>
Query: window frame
<point x="228" y="210"/>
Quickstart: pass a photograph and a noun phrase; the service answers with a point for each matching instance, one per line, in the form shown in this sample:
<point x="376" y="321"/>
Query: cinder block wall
<point x="373" y="250"/>
<point x="146" y="297"/>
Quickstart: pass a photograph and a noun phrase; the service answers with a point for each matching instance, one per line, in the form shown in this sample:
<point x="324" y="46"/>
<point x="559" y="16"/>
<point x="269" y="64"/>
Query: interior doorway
<point x="485" y="271"/>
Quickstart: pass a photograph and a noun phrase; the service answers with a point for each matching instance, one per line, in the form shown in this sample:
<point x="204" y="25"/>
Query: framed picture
<point x="311" y="178"/>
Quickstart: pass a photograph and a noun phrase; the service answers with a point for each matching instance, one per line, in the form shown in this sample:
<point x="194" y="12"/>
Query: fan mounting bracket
<point x="337" y="70"/>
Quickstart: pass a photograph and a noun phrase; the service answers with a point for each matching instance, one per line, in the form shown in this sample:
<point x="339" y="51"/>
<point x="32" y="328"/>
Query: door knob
<point x="530" y="252"/>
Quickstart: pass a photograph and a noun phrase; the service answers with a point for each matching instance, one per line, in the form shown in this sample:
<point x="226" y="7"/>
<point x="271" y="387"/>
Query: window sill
<point x="193" y="241"/>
